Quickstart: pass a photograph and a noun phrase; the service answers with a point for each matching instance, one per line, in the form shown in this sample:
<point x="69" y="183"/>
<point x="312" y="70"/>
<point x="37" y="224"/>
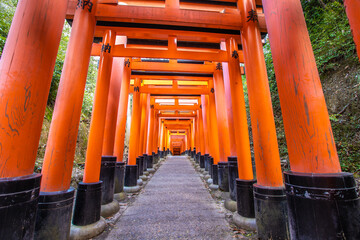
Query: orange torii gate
<point x="316" y="194"/>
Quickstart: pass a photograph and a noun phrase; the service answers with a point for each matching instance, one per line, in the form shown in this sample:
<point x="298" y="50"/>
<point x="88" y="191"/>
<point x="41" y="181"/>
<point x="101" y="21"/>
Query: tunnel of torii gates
<point x="182" y="63"/>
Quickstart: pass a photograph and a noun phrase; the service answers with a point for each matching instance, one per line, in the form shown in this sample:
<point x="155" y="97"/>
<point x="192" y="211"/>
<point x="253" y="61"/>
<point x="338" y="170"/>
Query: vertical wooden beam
<point x="143" y="123"/>
<point x="26" y="68"/>
<point x="307" y="126"/>
<point x="97" y="126"/>
<point x="239" y="113"/>
<point x="61" y="144"/>
<point x="113" y="102"/>
<point x="135" y="124"/>
<point x="122" y="112"/>
<point x="229" y="108"/>
<point x="214" y="129"/>
<point x="221" y="114"/>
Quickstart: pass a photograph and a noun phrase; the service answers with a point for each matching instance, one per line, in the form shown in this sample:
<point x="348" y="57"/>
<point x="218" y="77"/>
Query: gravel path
<point x="174" y="205"/>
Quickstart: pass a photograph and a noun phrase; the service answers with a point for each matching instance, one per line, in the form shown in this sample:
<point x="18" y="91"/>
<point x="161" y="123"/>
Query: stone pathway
<point x="174" y="205"/>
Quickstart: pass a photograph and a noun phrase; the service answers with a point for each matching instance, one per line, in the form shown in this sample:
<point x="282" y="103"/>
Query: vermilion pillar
<point x="239" y="113"/>
<point x="352" y="7"/>
<point x="229" y="108"/>
<point x="151" y="130"/>
<point x="61" y="144"/>
<point x="113" y="102"/>
<point x="146" y="129"/>
<point x="142" y="124"/>
<point x="201" y="129"/>
<point x="26" y="68"/>
<point x="96" y="135"/>
<point x="156" y="133"/>
<point x="221" y="114"/>
<point x="122" y="112"/>
<point x="214" y="133"/>
<point x="266" y="151"/>
<point x="135" y="124"/>
<point x="206" y="123"/>
<point x="329" y="212"/>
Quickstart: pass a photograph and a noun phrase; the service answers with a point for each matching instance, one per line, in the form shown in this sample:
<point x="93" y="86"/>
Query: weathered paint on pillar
<point x="135" y="124"/>
<point x="229" y="109"/>
<point x="239" y="113"/>
<point x="221" y="114"/>
<point x="352" y="10"/>
<point x="97" y="126"/>
<point x="122" y="112"/>
<point x="214" y="130"/>
<point x="267" y="158"/>
<point x="309" y="136"/>
<point x="26" y="68"/>
<point x="113" y="102"/>
<point x="61" y="144"/>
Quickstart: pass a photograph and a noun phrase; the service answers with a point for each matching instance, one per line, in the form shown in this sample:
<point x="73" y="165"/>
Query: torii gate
<point x="26" y="70"/>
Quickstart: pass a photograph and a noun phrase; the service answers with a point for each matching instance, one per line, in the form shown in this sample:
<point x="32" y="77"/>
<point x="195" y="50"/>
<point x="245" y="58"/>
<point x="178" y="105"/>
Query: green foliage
<point x="329" y="32"/>
<point x="7" y="10"/>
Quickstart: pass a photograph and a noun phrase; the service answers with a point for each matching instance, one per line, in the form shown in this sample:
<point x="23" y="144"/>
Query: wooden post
<point x="206" y="123"/>
<point x="26" y="68"/>
<point x="239" y="113"/>
<point x="135" y="124"/>
<point x="143" y="101"/>
<point x="266" y="150"/>
<point x="97" y="126"/>
<point x="229" y="108"/>
<point x="151" y="130"/>
<point x="352" y="7"/>
<point x="113" y="102"/>
<point x="61" y="144"/>
<point x="122" y="112"/>
<point x="214" y="133"/>
<point x="221" y="114"/>
<point x="312" y="152"/>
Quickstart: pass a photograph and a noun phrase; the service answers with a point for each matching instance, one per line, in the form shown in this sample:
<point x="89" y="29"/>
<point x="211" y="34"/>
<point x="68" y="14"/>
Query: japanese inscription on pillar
<point x="85" y="3"/>
<point x="105" y="48"/>
<point x="127" y="63"/>
<point x="235" y="54"/>
<point x="212" y="90"/>
<point x="252" y="16"/>
<point x="136" y="89"/>
<point x="218" y="66"/>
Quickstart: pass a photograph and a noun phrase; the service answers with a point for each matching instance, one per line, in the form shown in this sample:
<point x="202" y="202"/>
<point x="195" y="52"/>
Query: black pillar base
<point x="140" y="164"/>
<point x="271" y="212"/>
<point x="197" y="158"/>
<point x="206" y="162"/>
<point x="322" y="206"/>
<point x="245" y="198"/>
<point x="107" y="176"/>
<point x="87" y="204"/>
<point x="119" y="177"/>
<point x="18" y="204"/>
<point x="53" y="218"/>
<point x="211" y="162"/>
<point x="202" y="161"/>
<point x="145" y="161"/>
<point x="215" y="176"/>
<point x="233" y="175"/>
<point x="131" y="175"/>
<point x="150" y="161"/>
<point x="223" y="173"/>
